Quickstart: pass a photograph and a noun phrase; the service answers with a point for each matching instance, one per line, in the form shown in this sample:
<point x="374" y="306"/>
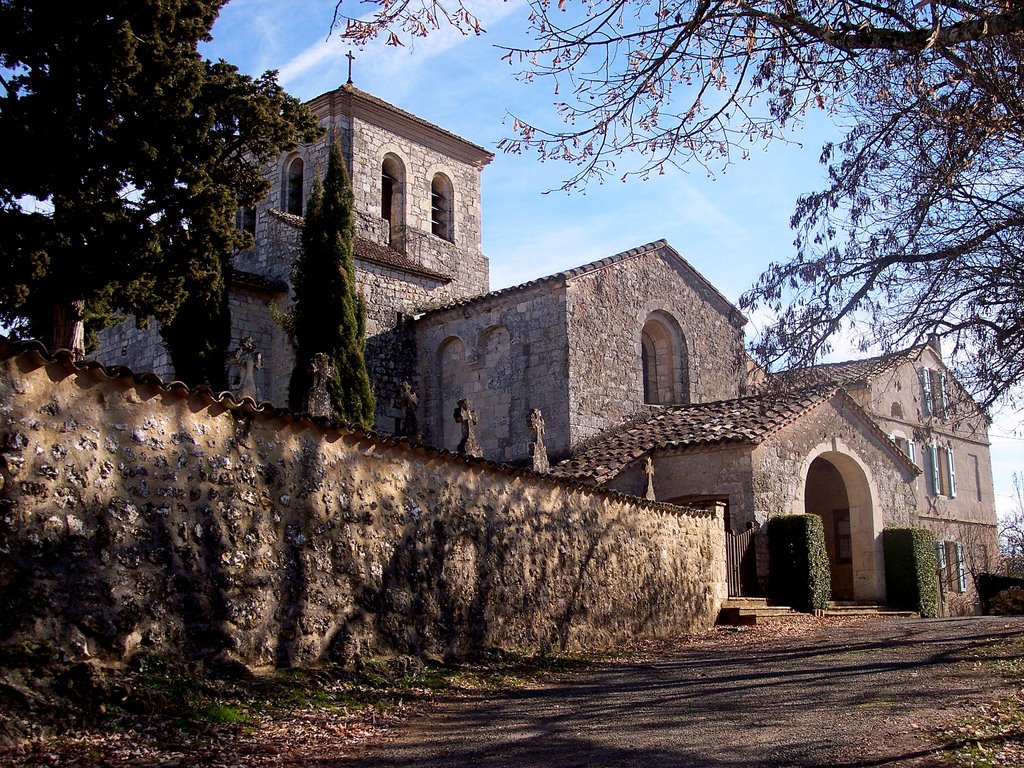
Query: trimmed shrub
<point x="910" y="568"/>
<point x="798" y="569"/>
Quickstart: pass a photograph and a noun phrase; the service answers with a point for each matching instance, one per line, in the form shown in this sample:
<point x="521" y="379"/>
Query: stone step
<point x="747" y="611"/>
<point x="843" y="608"/>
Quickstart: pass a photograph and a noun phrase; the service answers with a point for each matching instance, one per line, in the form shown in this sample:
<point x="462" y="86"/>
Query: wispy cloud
<point x="379" y="63"/>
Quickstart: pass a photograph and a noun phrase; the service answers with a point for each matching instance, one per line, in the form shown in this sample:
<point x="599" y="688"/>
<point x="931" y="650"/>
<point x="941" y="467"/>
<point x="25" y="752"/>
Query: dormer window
<point x="441" y="207"/>
<point x="934" y="400"/>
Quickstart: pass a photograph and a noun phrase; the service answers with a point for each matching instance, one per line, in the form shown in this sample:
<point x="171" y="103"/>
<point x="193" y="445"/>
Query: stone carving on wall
<point x="467" y="418"/>
<point x="406" y="401"/>
<point x="318" y="401"/>
<point x="248" y="361"/>
<point x="537" y="449"/>
<point x="649" y="471"/>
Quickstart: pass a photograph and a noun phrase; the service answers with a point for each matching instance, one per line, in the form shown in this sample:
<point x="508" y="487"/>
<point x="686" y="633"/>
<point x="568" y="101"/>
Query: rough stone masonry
<point x="137" y="514"/>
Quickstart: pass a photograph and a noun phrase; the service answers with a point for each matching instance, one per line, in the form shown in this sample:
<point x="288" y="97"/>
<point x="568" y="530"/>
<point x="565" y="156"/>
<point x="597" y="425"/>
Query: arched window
<point x="392" y="195"/>
<point x="441" y="207"/>
<point x="245" y="219"/>
<point x="664" y="360"/>
<point x="292" y="191"/>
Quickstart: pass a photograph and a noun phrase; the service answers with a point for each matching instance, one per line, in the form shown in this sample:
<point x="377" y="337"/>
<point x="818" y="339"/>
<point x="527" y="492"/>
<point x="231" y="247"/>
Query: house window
<point x="392" y="196"/>
<point x="292" y="192"/>
<point x="934" y="399"/>
<point x="952" y="569"/>
<point x="896" y="410"/>
<point x="947" y="472"/>
<point x="940" y="470"/>
<point x="441" y="207"/>
<point x="906" y="446"/>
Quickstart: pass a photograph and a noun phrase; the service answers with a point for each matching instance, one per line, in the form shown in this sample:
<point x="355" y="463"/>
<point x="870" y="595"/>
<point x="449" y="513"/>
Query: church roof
<point x="846" y="373"/>
<point x="258" y="282"/>
<point x="658" y="246"/>
<point x="375" y="253"/>
<point x="354" y="100"/>
<point x="700" y="426"/>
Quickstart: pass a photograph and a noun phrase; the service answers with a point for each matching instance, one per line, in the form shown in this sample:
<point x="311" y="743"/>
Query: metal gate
<point x="741" y="563"/>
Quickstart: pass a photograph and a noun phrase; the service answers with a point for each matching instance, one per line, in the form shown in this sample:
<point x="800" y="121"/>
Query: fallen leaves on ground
<point x="332" y="718"/>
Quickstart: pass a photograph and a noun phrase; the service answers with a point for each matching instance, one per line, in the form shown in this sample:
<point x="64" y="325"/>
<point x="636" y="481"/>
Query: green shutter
<point x="952" y="473"/>
<point x="926" y="391"/>
<point x="961" y="570"/>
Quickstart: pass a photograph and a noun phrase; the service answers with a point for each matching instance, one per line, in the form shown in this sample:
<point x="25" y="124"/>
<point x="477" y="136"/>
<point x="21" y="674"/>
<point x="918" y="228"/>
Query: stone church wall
<point x="606" y="310"/>
<point x="140" y="349"/>
<point x="462" y="258"/>
<point x="507" y="354"/>
<point x="365" y="145"/>
<point x="136" y="516"/>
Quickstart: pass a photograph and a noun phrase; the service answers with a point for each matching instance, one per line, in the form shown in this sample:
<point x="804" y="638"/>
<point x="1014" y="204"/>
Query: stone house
<point x="636" y="363"/>
<point x="917" y="401"/>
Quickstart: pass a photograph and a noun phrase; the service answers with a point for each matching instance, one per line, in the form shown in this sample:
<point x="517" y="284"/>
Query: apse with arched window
<point x="292" y="192"/>
<point x="392" y="196"/>
<point x="663" y="357"/>
<point x="441" y="207"/>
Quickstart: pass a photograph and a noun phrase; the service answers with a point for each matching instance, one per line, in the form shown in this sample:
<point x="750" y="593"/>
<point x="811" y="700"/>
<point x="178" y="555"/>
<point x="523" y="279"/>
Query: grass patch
<point x="188" y="699"/>
<point x="993" y="737"/>
<point x="222" y="713"/>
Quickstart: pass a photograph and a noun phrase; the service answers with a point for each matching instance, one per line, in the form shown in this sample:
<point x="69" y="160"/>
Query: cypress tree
<point x="328" y="313"/>
<point x="141" y="151"/>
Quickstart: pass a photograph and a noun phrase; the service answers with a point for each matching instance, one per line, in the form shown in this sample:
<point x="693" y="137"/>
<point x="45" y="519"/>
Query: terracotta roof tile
<point x="374" y="253"/>
<point x="842" y="374"/>
<point x="746" y="420"/>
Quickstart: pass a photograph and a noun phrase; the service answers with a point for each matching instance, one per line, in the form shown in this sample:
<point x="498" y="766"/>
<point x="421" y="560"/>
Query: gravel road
<point x="863" y="693"/>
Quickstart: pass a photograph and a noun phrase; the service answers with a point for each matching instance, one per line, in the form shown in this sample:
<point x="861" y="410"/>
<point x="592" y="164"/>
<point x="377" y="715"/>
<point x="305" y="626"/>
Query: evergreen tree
<point x="328" y="315"/>
<point x="133" y="154"/>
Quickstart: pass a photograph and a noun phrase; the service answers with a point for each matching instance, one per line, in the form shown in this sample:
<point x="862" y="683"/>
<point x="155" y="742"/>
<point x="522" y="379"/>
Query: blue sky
<point x="730" y="226"/>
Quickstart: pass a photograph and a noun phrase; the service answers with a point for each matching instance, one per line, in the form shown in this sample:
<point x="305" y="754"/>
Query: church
<point x="635" y="363"/>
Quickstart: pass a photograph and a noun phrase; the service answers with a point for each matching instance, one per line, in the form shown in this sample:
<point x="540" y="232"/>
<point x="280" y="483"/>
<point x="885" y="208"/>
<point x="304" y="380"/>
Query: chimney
<point x="935" y="342"/>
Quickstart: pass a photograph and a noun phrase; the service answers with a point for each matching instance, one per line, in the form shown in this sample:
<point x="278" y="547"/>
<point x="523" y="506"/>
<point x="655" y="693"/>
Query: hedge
<point x="798" y="568"/>
<point x="910" y="568"/>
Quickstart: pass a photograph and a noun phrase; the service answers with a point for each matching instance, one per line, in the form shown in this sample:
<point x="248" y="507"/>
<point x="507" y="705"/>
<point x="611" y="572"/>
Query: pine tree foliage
<point x="132" y="155"/>
<point x="328" y="313"/>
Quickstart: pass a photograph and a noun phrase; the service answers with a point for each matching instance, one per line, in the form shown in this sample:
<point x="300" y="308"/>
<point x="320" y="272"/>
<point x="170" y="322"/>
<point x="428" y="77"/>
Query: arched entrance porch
<point x="838" y="489"/>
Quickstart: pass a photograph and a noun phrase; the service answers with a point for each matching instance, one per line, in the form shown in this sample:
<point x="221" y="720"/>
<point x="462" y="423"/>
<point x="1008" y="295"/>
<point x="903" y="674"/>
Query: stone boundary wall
<point x="134" y="515"/>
